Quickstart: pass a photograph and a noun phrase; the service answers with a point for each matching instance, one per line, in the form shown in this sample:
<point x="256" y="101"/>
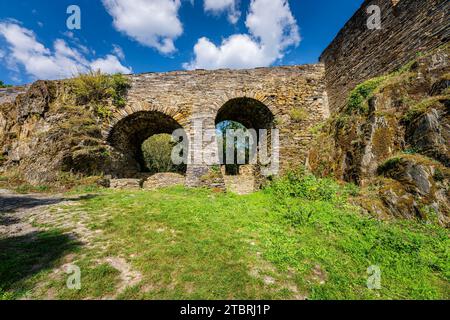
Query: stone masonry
<point x="189" y="96"/>
<point x="408" y="27"/>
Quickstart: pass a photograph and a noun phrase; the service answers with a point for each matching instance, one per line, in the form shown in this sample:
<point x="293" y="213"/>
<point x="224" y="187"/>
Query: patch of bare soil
<point x="128" y="276"/>
<point x="22" y="215"/>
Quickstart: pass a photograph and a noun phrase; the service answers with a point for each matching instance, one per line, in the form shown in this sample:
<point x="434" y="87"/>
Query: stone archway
<point x="127" y="135"/>
<point x="250" y="114"/>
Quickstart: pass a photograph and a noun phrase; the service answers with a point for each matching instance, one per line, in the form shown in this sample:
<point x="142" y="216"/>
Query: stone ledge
<point x="164" y="180"/>
<point x="126" y="184"/>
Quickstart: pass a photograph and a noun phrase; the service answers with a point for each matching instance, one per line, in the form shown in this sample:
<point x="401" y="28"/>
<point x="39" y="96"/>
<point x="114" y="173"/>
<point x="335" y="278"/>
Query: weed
<point x="299" y="114"/>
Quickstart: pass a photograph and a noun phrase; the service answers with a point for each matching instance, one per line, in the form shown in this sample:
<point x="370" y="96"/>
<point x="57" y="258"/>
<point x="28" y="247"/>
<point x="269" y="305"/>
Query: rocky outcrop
<point x="429" y="133"/>
<point x="416" y="186"/>
<point x="9" y="95"/>
<point x="37" y="100"/>
<point x="44" y="135"/>
<point x="400" y="118"/>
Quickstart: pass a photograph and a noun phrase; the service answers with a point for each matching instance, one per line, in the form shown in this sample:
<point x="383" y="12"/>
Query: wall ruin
<point x="190" y="96"/>
<point x="358" y="53"/>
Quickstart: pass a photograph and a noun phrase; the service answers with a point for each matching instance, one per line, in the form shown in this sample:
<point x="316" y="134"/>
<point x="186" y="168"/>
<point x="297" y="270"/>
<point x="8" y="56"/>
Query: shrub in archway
<point x="157" y="152"/>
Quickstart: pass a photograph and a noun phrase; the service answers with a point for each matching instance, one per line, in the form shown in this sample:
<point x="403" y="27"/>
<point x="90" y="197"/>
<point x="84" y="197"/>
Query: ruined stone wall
<point x="43" y="131"/>
<point x="190" y="96"/>
<point x="358" y="53"/>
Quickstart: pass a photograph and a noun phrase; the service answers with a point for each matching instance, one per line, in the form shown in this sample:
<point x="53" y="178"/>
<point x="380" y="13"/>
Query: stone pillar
<point x="203" y="168"/>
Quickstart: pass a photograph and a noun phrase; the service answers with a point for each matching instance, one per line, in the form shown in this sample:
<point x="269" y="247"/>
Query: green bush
<point x="3" y="85"/>
<point x="4" y="296"/>
<point x="92" y="87"/>
<point x="157" y="152"/>
<point x="303" y="185"/>
<point x="299" y="194"/>
<point x="120" y="86"/>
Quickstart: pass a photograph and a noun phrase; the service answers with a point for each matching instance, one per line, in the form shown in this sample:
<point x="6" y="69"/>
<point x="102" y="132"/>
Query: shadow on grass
<point x="13" y="203"/>
<point x="8" y="220"/>
<point x="22" y="257"/>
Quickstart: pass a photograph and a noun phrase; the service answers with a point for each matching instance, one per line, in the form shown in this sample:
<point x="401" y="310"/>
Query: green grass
<point x="26" y="260"/>
<point x="197" y="244"/>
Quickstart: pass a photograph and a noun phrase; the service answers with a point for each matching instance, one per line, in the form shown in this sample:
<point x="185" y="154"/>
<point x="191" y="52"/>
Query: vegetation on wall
<point x="359" y="96"/>
<point x="299" y="114"/>
<point x="94" y="89"/>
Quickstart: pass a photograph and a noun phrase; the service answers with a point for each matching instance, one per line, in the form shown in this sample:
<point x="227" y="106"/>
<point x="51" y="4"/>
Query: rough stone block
<point x="125" y="184"/>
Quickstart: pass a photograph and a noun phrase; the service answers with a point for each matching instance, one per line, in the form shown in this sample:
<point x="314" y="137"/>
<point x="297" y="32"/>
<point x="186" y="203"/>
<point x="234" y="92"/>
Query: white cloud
<point x="110" y="64"/>
<point x="118" y="51"/>
<point x="42" y="63"/>
<point x="219" y="6"/>
<point x="152" y="23"/>
<point x="239" y="51"/>
<point x="272" y="30"/>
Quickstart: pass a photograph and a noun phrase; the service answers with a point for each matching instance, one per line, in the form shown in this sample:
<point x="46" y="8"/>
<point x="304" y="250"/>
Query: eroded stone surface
<point x="125" y="184"/>
<point x="164" y="180"/>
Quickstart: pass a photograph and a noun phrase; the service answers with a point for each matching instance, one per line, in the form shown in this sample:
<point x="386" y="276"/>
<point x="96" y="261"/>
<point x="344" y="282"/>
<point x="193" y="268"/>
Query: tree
<point x="3" y="85"/>
<point x="221" y="129"/>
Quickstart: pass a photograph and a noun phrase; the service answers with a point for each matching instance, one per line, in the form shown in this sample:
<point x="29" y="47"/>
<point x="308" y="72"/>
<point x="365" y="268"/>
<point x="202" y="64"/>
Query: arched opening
<point x="247" y="116"/>
<point x="129" y="135"/>
<point x="251" y="113"/>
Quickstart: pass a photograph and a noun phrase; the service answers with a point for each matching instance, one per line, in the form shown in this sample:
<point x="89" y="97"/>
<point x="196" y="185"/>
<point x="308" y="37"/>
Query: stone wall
<point x="193" y="96"/>
<point x="43" y="131"/>
<point x="358" y="53"/>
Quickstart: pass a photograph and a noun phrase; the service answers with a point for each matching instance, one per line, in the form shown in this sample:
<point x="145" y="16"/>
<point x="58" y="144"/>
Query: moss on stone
<point x="423" y="107"/>
<point x="299" y="114"/>
<point x="357" y="101"/>
<point x="389" y="165"/>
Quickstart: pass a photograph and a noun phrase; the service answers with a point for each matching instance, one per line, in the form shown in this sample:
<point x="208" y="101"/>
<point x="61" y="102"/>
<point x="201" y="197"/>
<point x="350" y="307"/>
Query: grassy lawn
<point x="196" y="244"/>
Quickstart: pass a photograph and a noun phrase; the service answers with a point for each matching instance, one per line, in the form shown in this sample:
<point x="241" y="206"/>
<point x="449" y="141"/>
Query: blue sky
<point x="163" y="35"/>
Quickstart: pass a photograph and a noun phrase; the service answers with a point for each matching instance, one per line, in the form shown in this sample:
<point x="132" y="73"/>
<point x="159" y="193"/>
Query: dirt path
<point x="17" y="210"/>
<point x="25" y="216"/>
